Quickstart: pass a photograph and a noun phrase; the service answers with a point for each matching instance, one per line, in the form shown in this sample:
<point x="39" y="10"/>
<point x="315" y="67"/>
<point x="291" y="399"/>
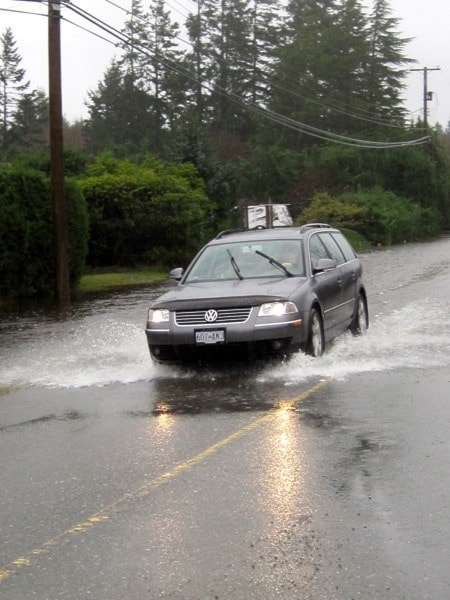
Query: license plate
<point x="212" y="336"/>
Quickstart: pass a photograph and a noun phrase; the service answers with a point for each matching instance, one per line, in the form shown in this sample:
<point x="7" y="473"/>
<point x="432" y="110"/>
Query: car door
<point x="346" y="274"/>
<point x="327" y="284"/>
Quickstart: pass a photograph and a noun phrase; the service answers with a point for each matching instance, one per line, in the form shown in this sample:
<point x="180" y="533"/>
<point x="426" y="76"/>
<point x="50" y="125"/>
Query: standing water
<point x="102" y="341"/>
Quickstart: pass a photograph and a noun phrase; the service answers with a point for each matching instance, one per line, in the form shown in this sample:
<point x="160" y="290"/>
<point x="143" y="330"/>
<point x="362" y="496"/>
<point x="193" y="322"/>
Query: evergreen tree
<point x="29" y="130"/>
<point x="133" y="63"/>
<point x="120" y="114"/>
<point x="150" y="62"/>
<point x="12" y="83"/>
<point x="340" y="69"/>
<point x="302" y="82"/>
<point x="165" y="69"/>
<point x="387" y="61"/>
<point x="347" y="94"/>
<point x="266" y="35"/>
<point x="221" y="37"/>
<point x="195" y="63"/>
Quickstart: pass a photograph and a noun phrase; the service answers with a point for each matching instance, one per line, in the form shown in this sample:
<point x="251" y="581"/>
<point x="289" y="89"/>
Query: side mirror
<point x="177" y="273"/>
<point x="324" y="264"/>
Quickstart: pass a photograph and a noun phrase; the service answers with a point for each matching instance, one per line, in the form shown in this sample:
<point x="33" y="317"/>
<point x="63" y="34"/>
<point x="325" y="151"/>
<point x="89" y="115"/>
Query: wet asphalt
<point x="311" y="479"/>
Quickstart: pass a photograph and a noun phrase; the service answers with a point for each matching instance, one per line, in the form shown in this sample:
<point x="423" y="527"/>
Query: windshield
<point x="246" y="260"/>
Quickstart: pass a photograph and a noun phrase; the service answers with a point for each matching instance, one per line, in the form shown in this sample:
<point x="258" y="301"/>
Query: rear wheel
<point x="360" y="321"/>
<point x="316" y="340"/>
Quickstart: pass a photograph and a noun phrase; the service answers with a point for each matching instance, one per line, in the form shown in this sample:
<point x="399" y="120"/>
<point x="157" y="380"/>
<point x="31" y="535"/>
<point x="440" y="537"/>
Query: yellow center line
<point x="147" y="488"/>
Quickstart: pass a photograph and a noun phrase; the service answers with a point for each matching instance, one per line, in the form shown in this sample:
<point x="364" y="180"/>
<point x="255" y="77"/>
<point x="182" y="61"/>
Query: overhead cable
<point x="357" y="113"/>
<point x="263" y="112"/>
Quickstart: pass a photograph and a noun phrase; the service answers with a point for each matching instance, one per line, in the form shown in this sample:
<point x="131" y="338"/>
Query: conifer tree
<point x="220" y="34"/>
<point x="340" y="69"/>
<point x="164" y="62"/>
<point x="119" y="114"/>
<point x="302" y="82"/>
<point x="347" y="92"/>
<point x="265" y="36"/>
<point x="29" y="130"/>
<point x="12" y="83"/>
<point x="387" y="64"/>
<point x="132" y="62"/>
<point x="149" y="62"/>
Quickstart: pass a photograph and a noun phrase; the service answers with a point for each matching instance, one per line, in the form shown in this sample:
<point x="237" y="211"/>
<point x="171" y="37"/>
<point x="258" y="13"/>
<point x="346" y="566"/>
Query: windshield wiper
<point x="275" y="263"/>
<point x="235" y="266"/>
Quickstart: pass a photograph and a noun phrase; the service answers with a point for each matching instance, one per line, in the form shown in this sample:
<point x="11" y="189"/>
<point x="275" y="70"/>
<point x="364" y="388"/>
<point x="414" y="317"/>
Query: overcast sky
<point x="85" y="57"/>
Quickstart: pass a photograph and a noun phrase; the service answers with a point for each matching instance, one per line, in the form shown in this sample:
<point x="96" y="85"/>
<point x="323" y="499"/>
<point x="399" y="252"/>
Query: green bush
<point x="420" y="175"/>
<point x="144" y="214"/>
<point x="379" y="216"/>
<point x="390" y="219"/>
<point x="26" y="234"/>
<point x="77" y="229"/>
<point x="326" y="209"/>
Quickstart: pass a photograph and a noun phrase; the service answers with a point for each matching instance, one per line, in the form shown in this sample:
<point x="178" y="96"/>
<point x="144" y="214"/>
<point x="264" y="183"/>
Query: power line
<point x="358" y="113"/>
<point x="23" y="12"/>
<point x="265" y="113"/>
<point x="243" y="103"/>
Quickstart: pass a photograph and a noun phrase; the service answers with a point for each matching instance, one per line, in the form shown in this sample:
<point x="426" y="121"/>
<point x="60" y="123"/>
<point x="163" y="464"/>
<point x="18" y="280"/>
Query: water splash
<point x="408" y="338"/>
<point x="77" y="353"/>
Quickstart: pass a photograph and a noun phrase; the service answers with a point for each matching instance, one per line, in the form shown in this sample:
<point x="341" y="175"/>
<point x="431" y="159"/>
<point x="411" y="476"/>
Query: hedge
<point x="26" y="234"/>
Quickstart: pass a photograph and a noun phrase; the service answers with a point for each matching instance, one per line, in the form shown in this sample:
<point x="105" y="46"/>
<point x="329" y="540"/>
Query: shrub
<point x="150" y="213"/>
<point x="379" y="216"/>
<point x="390" y="219"/>
<point x="26" y="234"/>
<point x="326" y="209"/>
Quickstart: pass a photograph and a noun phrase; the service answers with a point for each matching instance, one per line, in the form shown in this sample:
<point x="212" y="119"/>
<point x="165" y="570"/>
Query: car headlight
<point x="277" y="309"/>
<point x="158" y="315"/>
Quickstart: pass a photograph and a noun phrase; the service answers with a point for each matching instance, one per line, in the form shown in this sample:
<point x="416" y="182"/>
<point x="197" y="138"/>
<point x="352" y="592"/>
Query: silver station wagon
<point x="260" y="292"/>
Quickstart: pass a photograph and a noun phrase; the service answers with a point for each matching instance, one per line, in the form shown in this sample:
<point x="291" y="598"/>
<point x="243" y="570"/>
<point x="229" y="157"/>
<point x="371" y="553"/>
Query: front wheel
<point x="315" y="345"/>
<point x="360" y="321"/>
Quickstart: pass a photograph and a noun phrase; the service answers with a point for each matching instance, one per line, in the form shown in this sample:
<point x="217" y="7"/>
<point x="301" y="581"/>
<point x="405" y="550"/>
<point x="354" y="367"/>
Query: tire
<point x="360" y="321"/>
<point x="315" y="345"/>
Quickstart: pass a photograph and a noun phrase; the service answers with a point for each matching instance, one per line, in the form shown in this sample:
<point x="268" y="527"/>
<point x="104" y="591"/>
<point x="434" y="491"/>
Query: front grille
<point x="224" y="315"/>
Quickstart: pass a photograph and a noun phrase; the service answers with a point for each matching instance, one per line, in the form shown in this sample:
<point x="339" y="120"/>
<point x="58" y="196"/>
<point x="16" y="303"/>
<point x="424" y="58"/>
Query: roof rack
<point x="303" y="228"/>
<point x="229" y="232"/>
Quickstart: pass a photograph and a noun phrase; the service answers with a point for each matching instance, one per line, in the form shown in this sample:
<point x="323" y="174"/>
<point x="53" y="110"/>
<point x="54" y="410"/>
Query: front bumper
<point x="172" y="343"/>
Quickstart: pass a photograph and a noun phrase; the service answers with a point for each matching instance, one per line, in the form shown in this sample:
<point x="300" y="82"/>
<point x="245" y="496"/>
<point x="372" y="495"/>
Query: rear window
<point x="344" y="245"/>
<point x="330" y="245"/>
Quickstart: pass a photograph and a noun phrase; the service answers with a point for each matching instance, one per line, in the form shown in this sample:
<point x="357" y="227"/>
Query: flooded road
<point x="310" y="479"/>
<point x="102" y="341"/>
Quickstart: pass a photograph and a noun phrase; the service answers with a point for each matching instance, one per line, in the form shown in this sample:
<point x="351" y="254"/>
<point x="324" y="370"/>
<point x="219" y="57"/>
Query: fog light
<point x="277" y="345"/>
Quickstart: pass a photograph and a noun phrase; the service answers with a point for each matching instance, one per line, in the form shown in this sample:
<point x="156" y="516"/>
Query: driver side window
<point x="316" y="250"/>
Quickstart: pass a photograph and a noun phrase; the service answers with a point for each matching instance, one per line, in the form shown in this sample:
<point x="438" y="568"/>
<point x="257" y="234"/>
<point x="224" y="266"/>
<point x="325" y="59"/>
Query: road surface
<point x="313" y="479"/>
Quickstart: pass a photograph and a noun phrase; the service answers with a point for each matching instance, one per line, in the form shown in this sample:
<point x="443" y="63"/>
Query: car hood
<point x="245" y="292"/>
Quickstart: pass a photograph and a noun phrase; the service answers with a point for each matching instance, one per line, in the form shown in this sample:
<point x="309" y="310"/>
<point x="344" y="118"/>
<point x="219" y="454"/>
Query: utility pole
<point x="56" y="153"/>
<point x="426" y="97"/>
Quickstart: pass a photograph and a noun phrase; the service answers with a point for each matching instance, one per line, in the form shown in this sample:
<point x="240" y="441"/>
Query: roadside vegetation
<point x="101" y="281"/>
<point x="259" y="108"/>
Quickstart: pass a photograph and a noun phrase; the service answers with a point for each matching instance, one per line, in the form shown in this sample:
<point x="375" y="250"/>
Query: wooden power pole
<point x="426" y="97"/>
<point x="56" y="153"/>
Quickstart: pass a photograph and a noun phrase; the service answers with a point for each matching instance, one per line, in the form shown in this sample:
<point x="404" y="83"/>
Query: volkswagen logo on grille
<point x="211" y="315"/>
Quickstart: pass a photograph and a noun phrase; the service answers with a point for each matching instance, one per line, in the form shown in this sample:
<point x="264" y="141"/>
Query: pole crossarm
<point x="426" y="99"/>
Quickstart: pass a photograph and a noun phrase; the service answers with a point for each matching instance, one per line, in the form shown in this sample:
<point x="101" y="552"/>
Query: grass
<point x="105" y="280"/>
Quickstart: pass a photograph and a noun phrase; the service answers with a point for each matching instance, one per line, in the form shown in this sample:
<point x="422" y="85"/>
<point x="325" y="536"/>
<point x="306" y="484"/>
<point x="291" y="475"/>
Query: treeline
<point x="248" y="101"/>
